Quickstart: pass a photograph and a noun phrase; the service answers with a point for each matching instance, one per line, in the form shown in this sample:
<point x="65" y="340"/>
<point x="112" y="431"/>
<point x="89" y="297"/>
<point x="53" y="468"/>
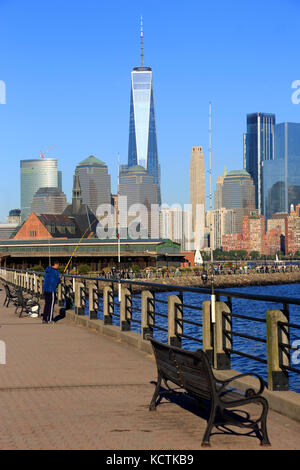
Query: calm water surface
<point x="241" y="306"/>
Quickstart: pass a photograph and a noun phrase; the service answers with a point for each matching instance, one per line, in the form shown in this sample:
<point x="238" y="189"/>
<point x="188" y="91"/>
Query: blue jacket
<point x="51" y="279"/>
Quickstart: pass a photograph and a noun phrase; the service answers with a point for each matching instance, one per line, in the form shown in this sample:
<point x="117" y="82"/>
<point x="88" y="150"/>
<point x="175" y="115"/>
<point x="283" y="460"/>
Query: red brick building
<point x="254" y="233"/>
<point x="292" y="232"/>
<point x="232" y="241"/>
<point x="273" y="241"/>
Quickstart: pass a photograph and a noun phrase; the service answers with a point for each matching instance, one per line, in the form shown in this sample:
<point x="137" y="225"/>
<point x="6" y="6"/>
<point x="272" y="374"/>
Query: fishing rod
<point x="76" y="247"/>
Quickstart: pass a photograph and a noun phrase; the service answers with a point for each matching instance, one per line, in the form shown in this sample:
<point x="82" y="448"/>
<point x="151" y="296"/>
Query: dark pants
<point x="50" y="299"/>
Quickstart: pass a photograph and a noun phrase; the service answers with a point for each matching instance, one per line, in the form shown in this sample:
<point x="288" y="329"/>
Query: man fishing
<point x="51" y="281"/>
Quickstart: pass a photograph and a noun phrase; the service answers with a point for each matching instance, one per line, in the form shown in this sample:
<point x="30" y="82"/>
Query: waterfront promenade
<point x="68" y="387"/>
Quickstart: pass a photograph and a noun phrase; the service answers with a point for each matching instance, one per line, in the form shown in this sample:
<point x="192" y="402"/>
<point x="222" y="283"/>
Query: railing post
<point x="108" y="304"/>
<point x="147" y="315"/>
<point x="222" y="341"/>
<point x="69" y="293"/>
<point x="175" y="328"/>
<point x="79" y="297"/>
<point x="60" y="294"/>
<point x="207" y="331"/>
<point x="93" y="300"/>
<point x="278" y="378"/>
<point x="125" y="309"/>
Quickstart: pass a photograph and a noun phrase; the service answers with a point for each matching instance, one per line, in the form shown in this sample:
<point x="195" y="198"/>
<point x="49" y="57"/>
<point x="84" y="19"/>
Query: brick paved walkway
<point x="67" y="387"/>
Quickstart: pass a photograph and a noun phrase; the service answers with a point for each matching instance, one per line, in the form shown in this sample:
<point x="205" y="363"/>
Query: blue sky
<point x="66" y="65"/>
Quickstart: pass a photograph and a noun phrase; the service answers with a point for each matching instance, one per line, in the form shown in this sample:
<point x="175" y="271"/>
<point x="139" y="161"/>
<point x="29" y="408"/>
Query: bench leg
<point x="152" y="406"/>
<point x="210" y="425"/>
<point x="265" y="439"/>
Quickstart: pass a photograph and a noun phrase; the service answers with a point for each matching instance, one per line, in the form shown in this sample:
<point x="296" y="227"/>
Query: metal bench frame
<point x="9" y="295"/>
<point x="192" y="372"/>
<point x="21" y="302"/>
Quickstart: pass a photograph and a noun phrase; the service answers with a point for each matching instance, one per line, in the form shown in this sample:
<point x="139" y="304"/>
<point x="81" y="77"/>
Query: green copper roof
<point x="91" y="160"/>
<point x="238" y="173"/>
<point x="136" y="168"/>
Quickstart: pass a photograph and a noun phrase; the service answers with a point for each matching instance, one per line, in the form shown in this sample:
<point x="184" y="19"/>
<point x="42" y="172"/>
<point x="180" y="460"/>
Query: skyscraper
<point x="48" y="201"/>
<point x="281" y="177"/>
<point x="94" y="182"/>
<point x="236" y="191"/>
<point x="142" y="147"/>
<point x="136" y="186"/>
<point x="35" y="174"/>
<point x="260" y="146"/>
<point x="197" y="191"/>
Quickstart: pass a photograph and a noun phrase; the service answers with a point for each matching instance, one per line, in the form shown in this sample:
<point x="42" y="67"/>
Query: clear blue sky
<point x="66" y="65"/>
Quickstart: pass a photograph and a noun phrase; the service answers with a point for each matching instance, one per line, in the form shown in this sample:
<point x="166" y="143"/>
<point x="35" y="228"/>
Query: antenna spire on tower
<point x="142" y="43"/>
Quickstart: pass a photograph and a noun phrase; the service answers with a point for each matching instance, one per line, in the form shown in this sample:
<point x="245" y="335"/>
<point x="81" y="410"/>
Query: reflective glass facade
<point x="260" y="147"/>
<point x="142" y="148"/>
<point x="281" y="177"/>
<point x="36" y="174"/>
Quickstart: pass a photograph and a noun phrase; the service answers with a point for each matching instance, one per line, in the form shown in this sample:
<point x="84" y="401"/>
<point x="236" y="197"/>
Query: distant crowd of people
<point x="220" y="269"/>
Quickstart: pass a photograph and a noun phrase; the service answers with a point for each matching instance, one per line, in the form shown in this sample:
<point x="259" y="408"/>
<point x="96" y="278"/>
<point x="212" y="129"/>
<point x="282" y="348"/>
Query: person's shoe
<point x="44" y="321"/>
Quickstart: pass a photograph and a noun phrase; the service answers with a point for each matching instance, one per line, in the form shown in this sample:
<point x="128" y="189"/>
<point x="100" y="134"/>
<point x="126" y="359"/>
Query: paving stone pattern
<point x="68" y="387"/>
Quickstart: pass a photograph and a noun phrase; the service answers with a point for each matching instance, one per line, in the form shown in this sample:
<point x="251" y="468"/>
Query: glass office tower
<point x="142" y="148"/>
<point x="260" y="147"/>
<point x="36" y="174"/>
<point x="281" y="177"/>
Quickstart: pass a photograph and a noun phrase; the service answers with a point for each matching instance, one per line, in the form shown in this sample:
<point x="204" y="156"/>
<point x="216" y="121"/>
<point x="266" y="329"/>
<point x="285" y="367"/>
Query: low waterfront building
<point x="98" y="254"/>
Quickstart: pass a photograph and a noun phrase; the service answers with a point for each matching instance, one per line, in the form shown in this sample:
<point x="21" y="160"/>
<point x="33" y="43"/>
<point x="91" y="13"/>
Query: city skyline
<point x="37" y="123"/>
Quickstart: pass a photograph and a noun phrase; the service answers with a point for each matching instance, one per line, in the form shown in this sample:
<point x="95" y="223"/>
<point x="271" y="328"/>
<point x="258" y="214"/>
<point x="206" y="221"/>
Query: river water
<point x="251" y="308"/>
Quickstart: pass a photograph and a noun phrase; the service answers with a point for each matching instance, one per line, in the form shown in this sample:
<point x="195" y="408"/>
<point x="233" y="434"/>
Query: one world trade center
<point x="142" y="148"/>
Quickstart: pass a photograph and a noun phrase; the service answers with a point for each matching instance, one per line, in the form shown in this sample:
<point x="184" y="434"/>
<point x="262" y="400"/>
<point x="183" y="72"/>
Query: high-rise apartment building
<point x="176" y="224"/>
<point x="235" y="190"/>
<point x="281" y="176"/>
<point x="197" y="190"/>
<point x="35" y="174"/>
<point x="260" y="147"/>
<point x="94" y="182"/>
<point x="220" y="221"/>
<point x="142" y="148"/>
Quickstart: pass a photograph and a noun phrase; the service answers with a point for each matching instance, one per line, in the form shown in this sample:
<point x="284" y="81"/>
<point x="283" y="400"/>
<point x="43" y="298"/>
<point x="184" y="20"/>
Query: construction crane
<point x="43" y="154"/>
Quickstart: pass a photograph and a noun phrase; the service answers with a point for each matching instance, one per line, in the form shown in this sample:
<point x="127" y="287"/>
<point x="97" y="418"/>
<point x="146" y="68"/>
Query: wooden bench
<point x="192" y="372"/>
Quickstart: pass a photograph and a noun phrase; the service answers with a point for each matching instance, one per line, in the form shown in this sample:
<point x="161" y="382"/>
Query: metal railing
<point x="187" y="317"/>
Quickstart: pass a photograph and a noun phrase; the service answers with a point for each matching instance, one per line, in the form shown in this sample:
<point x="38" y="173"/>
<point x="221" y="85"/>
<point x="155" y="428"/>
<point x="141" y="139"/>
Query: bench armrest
<point x="249" y="391"/>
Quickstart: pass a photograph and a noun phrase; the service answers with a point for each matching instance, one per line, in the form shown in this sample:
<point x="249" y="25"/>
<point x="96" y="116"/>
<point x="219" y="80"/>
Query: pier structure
<point x="68" y="366"/>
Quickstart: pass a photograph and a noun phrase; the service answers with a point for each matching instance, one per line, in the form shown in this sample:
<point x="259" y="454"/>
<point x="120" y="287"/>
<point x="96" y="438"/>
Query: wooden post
<point x="93" y="300"/>
<point x="222" y="343"/>
<point x="147" y="315"/>
<point x="108" y="306"/>
<point x="79" y="297"/>
<point x="175" y="328"/>
<point x="278" y="378"/>
<point x="207" y="331"/>
<point x="125" y="309"/>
